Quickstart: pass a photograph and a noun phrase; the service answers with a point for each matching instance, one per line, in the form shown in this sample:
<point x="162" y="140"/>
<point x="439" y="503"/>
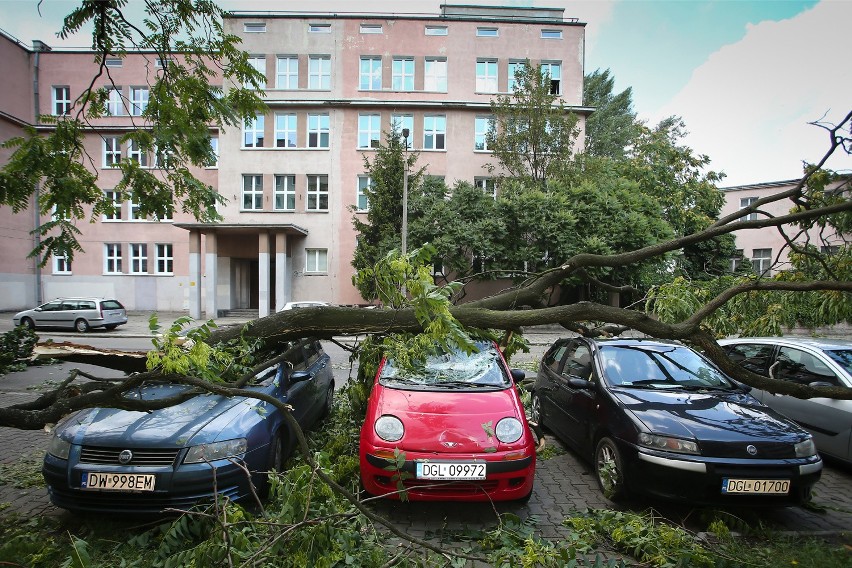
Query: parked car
<point x="120" y="461"/>
<point x="304" y="304"/>
<point x="81" y="314"/>
<point x="657" y="418"/>
<point x="826" y="362"/>
<point x="451" y="428"/>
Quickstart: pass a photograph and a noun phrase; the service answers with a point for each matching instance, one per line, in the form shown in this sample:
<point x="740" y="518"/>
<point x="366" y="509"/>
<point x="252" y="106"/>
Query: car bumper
<point x="700" y="480"/>
<point x="509" y="476"/>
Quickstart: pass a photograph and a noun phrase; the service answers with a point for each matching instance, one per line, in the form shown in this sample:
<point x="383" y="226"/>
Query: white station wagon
<point x="81" y="314"/>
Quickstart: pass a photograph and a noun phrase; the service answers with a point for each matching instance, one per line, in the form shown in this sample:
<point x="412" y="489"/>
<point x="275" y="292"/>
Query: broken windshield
<point x="452" y="370"/>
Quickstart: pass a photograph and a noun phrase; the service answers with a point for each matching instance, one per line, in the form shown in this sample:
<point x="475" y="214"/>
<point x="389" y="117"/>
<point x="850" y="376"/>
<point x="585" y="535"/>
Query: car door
<point x="577" y="403"/>
<point x="319" y="367"/>
<point x="298" y="386"/>
<point x="548" y="373"/>
<point x="49" y="314"/>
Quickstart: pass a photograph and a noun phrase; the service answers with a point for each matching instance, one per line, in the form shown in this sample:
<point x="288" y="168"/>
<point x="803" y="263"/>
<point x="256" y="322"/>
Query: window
<point x="369" y="130"/>
<point x="436" y="30"/>
<point x="254" y="28"/>
<point x="317" y="193"/>
<point x="318" y="130"/>
<point x="112" y="62"/>
<point x="435" y="74"/>
<point x="252" y="193"/>
<point x="135" y="214"/>
<point x="214" y="147"/>
<point x="487" y="185"/>
<point x="482" y="126"/>
<point x="285" y="130"/>
<point x="319" y="28"/>
<point x="112" y="258"/>
<point x="364" y="182"/>
<point x="165" y="259"/>
<point x="253" y="132"/>
<point x="745" y="202"/>
<point x="486" y="76"/>
<point x="403" y="74"/>
<point x="138" y="100"/>
<point x="287" y="73"/>
<point x="829" y="250"/>
<point x="112" y="151"/>
<point x="115" y="198"/>
<point x="551" y="34"/>
<point x="514" y="68"/>
<point x="138" y="258"/>
<point x="61" y="265"/>
<point x="61" y="101"/>
<point x="371" y="28"/>
<point x="761" y="260"/>
<point x="370" y="74"/>
<point x="115" y="106"/>
<point x="259" y="63"/>
<point x="163" y="63"/>
<point x="135" y="153"/>
<point x="736" y="260"/>
<point x="399" y="122"/>
<point x="434" y="132"/>
<point x="317" y="260"/>
<point x="554" y="71"/>
<point x="803" y="368"/>
<point x="285" y="193"/>
<point x="487" y="32"/>
<point x="319" y="72"/>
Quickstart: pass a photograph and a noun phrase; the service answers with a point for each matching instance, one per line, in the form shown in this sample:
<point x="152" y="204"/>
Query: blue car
<point x="120" y="461"/>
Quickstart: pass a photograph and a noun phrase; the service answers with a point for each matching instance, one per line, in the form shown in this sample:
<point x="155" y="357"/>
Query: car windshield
<point x="660" y="366"/>
<point x="452" y="370"/>
<point x="842" y="357"/>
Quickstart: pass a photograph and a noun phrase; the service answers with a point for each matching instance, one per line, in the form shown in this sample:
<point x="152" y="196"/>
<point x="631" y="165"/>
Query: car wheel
<point x="81" y="325"/>
<point x="609" y="469"/>
<point x="276" y="454"/>
<point x="535" y="411"/>
<point x="28" y="323"/>
<point x="329" y="402"/>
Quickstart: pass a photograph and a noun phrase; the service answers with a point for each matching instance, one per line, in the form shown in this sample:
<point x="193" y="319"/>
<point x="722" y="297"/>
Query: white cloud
<point x="748" y="106"/>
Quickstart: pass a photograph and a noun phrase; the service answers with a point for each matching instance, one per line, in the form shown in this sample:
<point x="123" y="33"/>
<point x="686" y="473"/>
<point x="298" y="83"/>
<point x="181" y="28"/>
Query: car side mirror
<point x="37" y="309"/>
<point x="579" y="383"/>
<point x="299" y="376"/>
<point x="518" y="375"/>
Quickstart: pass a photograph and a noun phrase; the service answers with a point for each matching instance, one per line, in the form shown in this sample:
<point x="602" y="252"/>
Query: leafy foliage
<point x="610" y="130"/>
<point x="16" y="346"/>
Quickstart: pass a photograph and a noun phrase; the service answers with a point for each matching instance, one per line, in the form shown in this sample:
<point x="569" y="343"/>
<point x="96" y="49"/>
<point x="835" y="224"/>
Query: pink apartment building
<point x="334" y="84"/>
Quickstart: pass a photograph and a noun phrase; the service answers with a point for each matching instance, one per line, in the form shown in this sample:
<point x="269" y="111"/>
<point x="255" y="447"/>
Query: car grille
<point x="765" y="450"/>
<point x="141" y="457"/>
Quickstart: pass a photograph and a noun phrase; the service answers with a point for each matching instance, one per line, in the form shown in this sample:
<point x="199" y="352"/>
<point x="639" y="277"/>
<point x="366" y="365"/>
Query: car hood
<point x="449" y="421"/>
<point x="201" y="419"/>
<point x="706" y="416"/>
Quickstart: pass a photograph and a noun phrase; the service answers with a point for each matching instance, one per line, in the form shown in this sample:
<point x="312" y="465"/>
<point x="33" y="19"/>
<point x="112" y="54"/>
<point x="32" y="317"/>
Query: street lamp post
<point x="405" y="192"/>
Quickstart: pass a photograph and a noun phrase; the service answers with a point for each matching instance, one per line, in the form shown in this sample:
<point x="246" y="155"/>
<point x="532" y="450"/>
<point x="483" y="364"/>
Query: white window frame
<point x="436" y="30"/>
<point x="736" y="260"/>
<point x="252" y="190"/>
<point x="319" y="72"/>
<point x="253" y="132"/>
<point x="136" y="153"/>
<point x="165" y="258"/>
<point x="115" y="102"/>
<point x="435" y="74"/>
<point x="370" y="73"/>
<point x="402" y="73"/>
<point x="61" y="265"/>
<point x="319" y="28"/>
<point x="133" y="207"/>
<point x="115" y="197"/>
<point x="259" y="63"/>
<point x="434" y="136"/>
<point x="287" y="72"/>
<point x="487" y="32"/>
<point x="512" y="69"/>
<point x="113" y="62"/>
<point x="549" y="67"/>
<point x="745" y="202"/>
<point x="214" y="145"/>
<point x="488" y="185"/>
<point x="317" y="196"/>
<point x="551" y="34"/>
<point x="482" y="125"/>
<point x="163" y="63"/>
<point x="286" y="130"/>
<point x="487" y="76"/>
<point x="319" y="130"/>
<point x="316" y="261"/>
<point x="371" y="29"/>
<point x="254" y="27"/>
<point x="284" y="192"/>
<point x="402" y="121"/>
<point x="761" y="261"/>
<point x="138" y="258"/>
<point x="112" y="258"/>
<point x="112" y="151"/>
<point x="362" y="202"/>
<point x="139" y="97"/>
<point x="369" y="131"/>
<point x="61" y="104"/>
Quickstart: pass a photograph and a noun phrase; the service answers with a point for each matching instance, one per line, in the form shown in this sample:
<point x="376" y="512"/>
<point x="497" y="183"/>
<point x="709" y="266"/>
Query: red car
<point x="453" y="428"/>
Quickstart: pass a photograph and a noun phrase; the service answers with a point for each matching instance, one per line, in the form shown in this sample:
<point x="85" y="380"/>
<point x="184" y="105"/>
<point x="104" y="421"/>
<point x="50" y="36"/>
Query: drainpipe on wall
<point x="38" y="48"/>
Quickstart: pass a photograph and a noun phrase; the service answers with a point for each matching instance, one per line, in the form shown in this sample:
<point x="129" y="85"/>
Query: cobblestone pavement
<point x="564" y="485"/>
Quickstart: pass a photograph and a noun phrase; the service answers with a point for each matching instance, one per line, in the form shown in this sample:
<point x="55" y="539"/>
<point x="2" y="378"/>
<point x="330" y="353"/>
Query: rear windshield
<point x="842" y="357"/>
<point x="452" y="370"/>
<point x="112" y="305"/>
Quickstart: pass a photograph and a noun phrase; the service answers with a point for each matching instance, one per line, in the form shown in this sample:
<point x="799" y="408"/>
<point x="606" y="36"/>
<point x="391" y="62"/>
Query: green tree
<point x="612" y="128"/>
<point x="183" y="106"/>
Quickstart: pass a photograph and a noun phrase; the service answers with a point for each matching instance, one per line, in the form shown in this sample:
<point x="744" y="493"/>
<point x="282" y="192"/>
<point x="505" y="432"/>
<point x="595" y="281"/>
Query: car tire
<point x="328" y="405"/>
<point x="609" y="470"/>
<point x="28" y="323"/>
<point x="535" y="411"/>
<point x="81" y="325"/>
<point x="277" y="454"/>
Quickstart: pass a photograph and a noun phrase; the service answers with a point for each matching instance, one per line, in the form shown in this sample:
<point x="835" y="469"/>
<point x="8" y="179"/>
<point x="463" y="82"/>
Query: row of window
<point x="133" y="103"/>
<point x="429" y="30"/>
<point x="113" y="153"/>
<point x="433" y="135"/>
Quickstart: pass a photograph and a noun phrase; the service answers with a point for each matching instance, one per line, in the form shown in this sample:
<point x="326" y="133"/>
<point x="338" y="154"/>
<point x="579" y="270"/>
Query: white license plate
<point x="450" y="470"/>
<point x="756" y="486"/>
<point x="118" y="481"/>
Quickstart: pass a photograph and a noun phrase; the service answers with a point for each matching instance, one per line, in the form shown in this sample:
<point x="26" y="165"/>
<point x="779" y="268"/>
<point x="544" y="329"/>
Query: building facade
<point x="334" y="84"/>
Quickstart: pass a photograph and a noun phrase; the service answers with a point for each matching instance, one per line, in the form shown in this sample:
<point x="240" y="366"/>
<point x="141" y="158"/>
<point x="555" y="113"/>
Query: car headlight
<point x="668" y="444"/>
<point x="806" y="448"/>
<point x="389" y="428"/>
<point x="216" y="451"/>
<point x="57" y="447"/>
<point x="509" y="430"/>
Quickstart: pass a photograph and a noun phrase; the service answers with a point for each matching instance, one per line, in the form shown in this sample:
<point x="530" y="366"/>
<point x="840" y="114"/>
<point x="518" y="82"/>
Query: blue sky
<point x="746" y="76"/>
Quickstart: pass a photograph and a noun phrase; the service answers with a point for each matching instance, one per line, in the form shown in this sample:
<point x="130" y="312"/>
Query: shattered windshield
<point x="452" y="370"/>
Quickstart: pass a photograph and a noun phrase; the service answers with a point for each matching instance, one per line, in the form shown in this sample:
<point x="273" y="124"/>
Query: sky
<point x="747" y="76"/>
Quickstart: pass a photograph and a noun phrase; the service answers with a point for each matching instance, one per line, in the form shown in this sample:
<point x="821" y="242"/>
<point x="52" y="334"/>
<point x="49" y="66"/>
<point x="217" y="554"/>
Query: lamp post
<point x="405" y="192"/>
